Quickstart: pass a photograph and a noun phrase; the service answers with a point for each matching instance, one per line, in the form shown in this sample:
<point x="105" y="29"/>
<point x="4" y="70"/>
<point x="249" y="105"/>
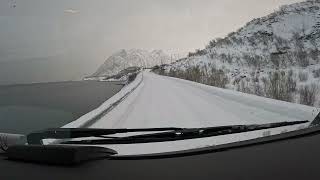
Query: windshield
<point x="180" y="65"/>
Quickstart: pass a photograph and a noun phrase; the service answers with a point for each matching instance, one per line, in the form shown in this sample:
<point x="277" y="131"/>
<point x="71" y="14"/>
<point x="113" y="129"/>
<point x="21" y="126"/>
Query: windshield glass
<point x="123" y="64"/>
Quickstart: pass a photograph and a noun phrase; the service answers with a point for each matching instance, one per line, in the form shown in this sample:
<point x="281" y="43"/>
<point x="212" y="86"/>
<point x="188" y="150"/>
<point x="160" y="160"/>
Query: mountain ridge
<point x="123" y="59"/>
<point x="279" y="32"/>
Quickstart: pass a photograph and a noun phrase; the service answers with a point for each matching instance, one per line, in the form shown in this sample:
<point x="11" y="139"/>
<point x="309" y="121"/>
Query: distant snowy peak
<point x="132" y="58"/>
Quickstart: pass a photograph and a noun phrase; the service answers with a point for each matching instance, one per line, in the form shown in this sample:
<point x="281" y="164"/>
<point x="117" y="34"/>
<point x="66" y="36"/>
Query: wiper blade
<point x="69" y="133"/>
<point x="183" y="134"/>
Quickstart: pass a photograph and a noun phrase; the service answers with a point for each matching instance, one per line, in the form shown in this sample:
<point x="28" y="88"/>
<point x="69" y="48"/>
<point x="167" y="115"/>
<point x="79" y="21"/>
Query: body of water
<point x="31" y="107"/>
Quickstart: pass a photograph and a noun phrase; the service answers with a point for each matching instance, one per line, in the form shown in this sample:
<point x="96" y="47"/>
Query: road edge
<point x="93" y="116"/>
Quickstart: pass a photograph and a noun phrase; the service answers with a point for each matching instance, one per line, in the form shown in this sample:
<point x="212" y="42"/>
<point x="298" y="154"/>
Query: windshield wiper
<point x="159" y="135"/>
<point x="69" y="133"/>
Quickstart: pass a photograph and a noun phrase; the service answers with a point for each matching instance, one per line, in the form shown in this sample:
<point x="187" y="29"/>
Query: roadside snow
<point x="106" y="105"/>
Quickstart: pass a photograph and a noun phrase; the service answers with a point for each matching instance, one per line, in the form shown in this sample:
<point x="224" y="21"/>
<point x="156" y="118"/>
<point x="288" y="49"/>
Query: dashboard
<point x="292" y="155"/>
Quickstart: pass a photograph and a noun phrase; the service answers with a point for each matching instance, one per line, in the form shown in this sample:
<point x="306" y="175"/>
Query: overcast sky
<point x="88" y="31"/>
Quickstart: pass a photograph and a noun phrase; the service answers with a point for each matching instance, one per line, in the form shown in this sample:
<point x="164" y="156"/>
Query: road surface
<point x="169" y="102"/>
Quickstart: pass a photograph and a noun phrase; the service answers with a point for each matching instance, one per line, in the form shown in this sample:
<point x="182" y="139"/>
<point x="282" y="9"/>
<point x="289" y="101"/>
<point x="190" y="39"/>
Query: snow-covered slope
<point x="288" y="39"/>
<point x="131" y="58"/>
<point x="281" y="35"/>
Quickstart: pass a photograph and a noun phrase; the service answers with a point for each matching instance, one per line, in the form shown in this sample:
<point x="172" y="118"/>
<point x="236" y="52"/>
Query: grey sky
<point x="88" y="31"/>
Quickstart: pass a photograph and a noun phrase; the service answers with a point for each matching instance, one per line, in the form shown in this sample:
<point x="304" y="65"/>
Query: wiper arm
<point x="69" y="133"/>
<point x="183" y="134"/>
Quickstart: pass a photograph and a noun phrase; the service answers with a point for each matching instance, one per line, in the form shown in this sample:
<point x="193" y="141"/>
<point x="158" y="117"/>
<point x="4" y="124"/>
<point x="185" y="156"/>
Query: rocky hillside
<point x="131" y="58"/>
<point x="282" y="44"/>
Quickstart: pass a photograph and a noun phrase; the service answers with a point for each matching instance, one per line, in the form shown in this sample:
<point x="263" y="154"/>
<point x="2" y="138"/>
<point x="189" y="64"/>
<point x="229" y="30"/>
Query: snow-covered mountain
<point x="289" y="36"/>
<point x="131" y="58"/>
<point x="286" y="41"/>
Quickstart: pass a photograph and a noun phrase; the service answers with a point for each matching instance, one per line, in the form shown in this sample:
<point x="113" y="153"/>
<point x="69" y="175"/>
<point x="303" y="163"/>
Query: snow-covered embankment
<point x="107" y="106"/>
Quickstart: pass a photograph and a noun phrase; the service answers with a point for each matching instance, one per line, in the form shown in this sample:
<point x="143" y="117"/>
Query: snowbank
<point x="107" y="106"/>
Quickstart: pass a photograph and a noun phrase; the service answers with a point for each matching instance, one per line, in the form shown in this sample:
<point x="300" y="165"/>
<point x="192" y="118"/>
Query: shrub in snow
<point x="316" y="73"/>
<point x="244" y="87"/>
<point x="308" y="94"/>
<point x="208" y="75"/>
<point x="291" y="82"/>
<point x="314" y="54"/>
<point x="303" y="77"/>
<point x="280" y="86"/>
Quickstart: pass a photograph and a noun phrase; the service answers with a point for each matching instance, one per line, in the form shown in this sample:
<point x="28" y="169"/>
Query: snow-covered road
<point x="169" y="102"/>
<point x="161" y="101"/>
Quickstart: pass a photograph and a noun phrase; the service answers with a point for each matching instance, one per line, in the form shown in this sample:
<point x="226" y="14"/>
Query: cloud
<point x="71" y="11"/>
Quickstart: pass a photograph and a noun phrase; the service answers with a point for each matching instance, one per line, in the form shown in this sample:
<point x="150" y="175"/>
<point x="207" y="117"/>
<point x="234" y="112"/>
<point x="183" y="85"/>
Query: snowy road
<point x="161" y="101"/>
<point x="168" y="102"/>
